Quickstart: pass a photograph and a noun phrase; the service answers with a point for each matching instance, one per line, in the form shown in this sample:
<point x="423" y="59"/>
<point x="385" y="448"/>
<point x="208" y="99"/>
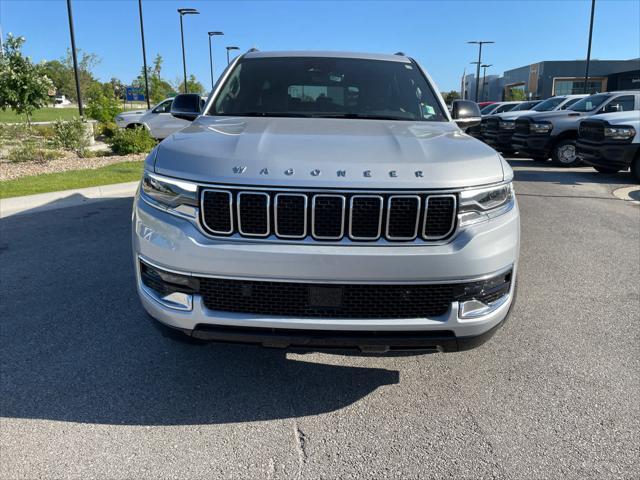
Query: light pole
<point x="144" y="56"/>
<point x="484" y="78"/>
<point x="75" y="58"/>
<point x="586" y="72"/>
<point x="479" y="62"/>
<point x="231" y="48"/>
<point x="182" y="12"/>
<point x="212" y="34"/>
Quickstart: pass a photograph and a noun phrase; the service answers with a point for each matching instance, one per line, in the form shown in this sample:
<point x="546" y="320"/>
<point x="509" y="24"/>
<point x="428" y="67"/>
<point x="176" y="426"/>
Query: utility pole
<point x="144" y="56"/>
<point x="586" y="73"/>
<point x="212" y="34"/>
<point x="182" y="12"/>
<point x="75" y="58"/>
<point x="479" y="62"/>
<point x="484" y="79"/>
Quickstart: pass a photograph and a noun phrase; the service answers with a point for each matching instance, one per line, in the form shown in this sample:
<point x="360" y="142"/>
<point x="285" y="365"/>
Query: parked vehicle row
<point x="551" y="128"/>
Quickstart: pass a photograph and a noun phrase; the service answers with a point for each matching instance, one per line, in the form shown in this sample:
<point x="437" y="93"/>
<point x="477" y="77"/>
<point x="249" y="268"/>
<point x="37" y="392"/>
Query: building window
<point x="573" y="86"/>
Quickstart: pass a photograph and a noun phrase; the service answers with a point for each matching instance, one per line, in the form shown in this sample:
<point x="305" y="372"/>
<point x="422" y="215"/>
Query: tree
<point x="449" y="97"/>
<point x="101" y="104"/>
<point x="24" y="86"/>
<point x="194" y="85"/>
<point x="86" y="64"/>
<point x="157" y="65"/>
<point x="516" y="94"/>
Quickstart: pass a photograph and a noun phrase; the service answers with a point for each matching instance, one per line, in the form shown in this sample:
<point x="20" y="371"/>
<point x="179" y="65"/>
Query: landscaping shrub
<point x="71" y="135"/>
<point x="107" y="129"/>
<point x="102" y="107"/>
<point x="131" y="140"/>
<point x="32" y="152"/>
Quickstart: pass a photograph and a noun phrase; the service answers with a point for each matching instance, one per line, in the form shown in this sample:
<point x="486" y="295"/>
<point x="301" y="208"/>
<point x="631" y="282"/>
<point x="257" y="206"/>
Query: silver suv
<point x="327" y="200"/>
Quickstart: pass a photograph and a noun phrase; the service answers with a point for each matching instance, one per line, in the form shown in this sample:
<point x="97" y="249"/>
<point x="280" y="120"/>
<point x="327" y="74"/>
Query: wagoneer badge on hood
<point x="240" y="169"/>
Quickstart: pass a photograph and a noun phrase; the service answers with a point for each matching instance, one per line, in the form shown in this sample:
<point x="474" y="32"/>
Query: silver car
<point x="326" y="199"/>
<point x="157" y="120"/>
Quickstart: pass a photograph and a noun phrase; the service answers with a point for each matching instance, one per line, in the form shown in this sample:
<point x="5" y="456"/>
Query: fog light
<point x="476" y="299"/>
<point x="173" y="290"/>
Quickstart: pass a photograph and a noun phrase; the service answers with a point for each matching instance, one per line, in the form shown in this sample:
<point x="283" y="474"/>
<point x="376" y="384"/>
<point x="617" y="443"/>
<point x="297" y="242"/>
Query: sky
<point x="433" y="32"/>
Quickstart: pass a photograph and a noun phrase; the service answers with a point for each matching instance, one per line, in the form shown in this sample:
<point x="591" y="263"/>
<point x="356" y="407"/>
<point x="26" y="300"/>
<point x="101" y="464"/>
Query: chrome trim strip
<point x="275" y="214"/>
<point x="313" y="217"/>
<point x="477" y="278"/>
<point x="351" y="235"/>
<point x="415" y="233"/>
<point x="230" y="195"/>
<point x="453" y="217"/>
<point x="268" y="206"/>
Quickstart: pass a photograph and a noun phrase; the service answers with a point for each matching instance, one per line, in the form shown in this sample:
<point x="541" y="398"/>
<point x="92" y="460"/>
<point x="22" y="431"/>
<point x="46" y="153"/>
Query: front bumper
<point x="537" y="145"/>
<point x="607" y="155"/>
<point x="176" y="244"/>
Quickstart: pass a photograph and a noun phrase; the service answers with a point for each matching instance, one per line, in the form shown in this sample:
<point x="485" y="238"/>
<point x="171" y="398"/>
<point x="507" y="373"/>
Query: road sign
<point x="135" y="94"/>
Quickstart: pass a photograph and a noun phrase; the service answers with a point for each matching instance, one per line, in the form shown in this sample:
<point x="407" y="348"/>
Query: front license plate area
<point x="326" y="297"/>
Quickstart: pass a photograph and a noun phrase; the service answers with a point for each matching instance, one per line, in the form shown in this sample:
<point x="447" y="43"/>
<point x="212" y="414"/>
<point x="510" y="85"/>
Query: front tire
<point x="635" y="167"/>
<point x="564" y="153"/>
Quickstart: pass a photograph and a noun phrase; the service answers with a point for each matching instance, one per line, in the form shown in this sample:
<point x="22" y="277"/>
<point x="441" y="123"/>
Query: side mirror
<point x="186" y="106"/>
<point x="466" y="113"/>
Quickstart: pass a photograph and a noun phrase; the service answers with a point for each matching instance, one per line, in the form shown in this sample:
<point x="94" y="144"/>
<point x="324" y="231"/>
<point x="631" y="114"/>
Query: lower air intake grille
<point x="335" y="301"/>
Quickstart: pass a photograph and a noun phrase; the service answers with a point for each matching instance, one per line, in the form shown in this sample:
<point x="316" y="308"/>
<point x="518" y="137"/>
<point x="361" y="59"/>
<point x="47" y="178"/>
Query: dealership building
<point x="549" y="78"/>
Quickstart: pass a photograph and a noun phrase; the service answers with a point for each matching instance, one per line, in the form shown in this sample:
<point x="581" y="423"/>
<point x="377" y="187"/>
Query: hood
<point x="558" y="115"/>
<point x="131" y="112"/>
<point x="324" y="153"/>
<point x="514" y="115"/>
<point x="616" y="118"/>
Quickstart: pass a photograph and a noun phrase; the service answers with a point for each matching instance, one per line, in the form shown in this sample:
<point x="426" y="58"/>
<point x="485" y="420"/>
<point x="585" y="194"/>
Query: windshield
<point x="549" y="104"/>
<point x="488" y="108"/>
<point x="507" y="107"/>
<point x="328" y="88"/>
<point x="589" y="103"/>
<point x="524" y="106"/>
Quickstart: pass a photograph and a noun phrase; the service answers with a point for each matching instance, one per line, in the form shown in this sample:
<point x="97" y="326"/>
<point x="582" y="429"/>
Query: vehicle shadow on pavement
<point x="77" y="346"/>
<point x="526" y="170"/>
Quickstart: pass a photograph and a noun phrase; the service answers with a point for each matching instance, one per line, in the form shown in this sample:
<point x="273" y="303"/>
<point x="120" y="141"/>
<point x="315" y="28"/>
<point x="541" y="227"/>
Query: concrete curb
<point x="66" y="198"/>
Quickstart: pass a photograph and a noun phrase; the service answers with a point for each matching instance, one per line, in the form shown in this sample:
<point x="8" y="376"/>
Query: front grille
<point x="491" y="125"/>
<point x="592" y="130"/>
<point x="307" y="300"/>
<point x="327" y="216"/>
<point x="522" y="126"/>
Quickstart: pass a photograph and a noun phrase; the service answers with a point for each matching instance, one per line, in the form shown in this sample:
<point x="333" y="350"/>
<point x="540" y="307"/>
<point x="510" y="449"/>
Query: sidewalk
<point x="66" y="198"/>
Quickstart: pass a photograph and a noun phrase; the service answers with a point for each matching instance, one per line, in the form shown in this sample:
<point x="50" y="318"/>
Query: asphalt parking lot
<point x="90" y="389"/>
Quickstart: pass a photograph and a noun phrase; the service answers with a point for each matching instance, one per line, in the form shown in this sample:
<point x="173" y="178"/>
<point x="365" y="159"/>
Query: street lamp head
<point x="484" y="65"/>
<point x="215" y="33"/>
<point x="188" y="11"/>
<point x="232" y="48"/>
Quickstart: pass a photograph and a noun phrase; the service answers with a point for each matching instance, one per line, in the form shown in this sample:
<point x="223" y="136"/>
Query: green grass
<point x="53" y="182"/>
<point x="48" y="114"/>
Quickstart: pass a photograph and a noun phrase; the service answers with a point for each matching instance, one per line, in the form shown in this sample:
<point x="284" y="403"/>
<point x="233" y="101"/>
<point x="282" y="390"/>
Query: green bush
<point x="32" y="152"/>
<point x="131" y="140"/>
<point x="71" y="135"/>
<point x="107" y="129"/>
<point x="102" y="107"/>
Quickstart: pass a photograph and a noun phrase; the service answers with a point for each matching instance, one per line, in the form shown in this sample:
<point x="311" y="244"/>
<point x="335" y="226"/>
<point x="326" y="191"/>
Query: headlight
<point x="482" y="204"/>
<point x="507" y="125"/>
<point x="541" y="127"/>
<point x="619" y="133"/>
<point x="174" y="196"/>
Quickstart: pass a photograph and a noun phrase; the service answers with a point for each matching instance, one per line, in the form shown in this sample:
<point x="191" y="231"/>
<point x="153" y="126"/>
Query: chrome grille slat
<point x="285" y="220"/>
<point x="306" y="215"/>
<point x="320" y="212"/>
<point x="362" y="224"/>
<point x="400" y="217"/>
